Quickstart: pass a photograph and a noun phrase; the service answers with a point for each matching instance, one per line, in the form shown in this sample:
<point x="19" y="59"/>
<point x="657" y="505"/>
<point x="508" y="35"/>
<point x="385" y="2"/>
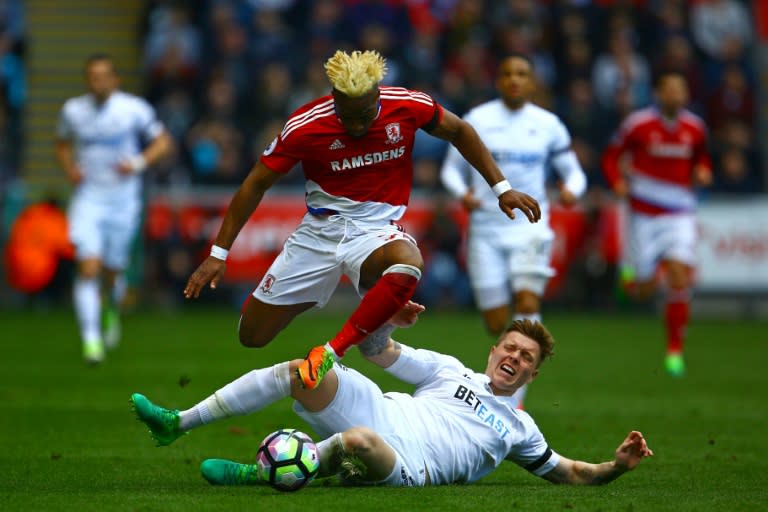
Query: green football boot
<point x="93" y="352"/>
<point x="226" y="472"/>
<point x="163" y="423"/>
<point x="675" y="365"/>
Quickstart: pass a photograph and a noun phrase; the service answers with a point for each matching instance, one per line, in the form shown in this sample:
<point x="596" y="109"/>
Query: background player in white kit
<point x="457" y="426"/>
<point x="99" y="140"/>
<point x="509" y="262"/>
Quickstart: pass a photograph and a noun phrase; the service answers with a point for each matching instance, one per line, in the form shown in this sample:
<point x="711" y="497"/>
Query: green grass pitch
<point x="70" y="442"/>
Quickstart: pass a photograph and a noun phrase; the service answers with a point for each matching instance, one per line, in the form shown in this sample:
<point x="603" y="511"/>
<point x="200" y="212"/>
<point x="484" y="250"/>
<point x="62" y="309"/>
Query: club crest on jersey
<point x="266" y="284"/>
<point x="393" y="133"/>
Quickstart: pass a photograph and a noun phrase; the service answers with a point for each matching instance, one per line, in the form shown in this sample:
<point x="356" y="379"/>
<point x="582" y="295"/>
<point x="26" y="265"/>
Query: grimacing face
<point x="101" y="79"/>
<point x="357" y="114"/>
<point x="514" y="81"/>
<point x="512" y="362"/>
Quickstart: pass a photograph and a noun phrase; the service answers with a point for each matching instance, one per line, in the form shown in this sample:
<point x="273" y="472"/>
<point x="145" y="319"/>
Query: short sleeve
<point x="427" y="113"/>
<point x="148" y="125"/>
<point x="280" y="156"/>
<point x="532" y="452"/>
<point x="624" y="134"/>
<point x="64" y="125"/>
<point x="429" y="118"/>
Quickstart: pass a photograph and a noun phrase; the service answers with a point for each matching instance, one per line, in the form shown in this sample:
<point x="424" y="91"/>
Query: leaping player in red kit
<point x="668" y="153"/>
<point x="355" y="148"/>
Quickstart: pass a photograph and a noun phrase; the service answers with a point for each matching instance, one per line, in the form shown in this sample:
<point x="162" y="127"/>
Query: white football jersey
<point x="465" y="430"/>
<point x="523" y="142"/>
<point x="103" y="136"/>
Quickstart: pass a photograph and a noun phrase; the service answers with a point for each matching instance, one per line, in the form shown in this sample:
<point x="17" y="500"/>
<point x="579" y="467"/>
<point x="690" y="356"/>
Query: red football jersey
<point x="662" y="156"/>
<point x="347" y="174"/>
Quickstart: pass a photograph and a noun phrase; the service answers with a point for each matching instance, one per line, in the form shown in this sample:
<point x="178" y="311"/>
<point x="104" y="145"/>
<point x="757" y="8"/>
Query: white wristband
<point x="501" y="187"/>
<point x="219" y="253"/>
<point x="138" y="163"/>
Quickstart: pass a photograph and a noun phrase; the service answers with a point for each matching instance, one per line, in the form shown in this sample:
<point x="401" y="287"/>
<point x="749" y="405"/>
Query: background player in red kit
<point x="355" y="149"/>
<point x="667" y="146"/>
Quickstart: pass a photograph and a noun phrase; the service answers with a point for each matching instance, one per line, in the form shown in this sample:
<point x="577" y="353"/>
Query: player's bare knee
<point x="644" y="291"/>
<point x="527" y="307"/>
<point x="360" y="440"/>
<point x="416" y="262"/>
<point x="678" y="280"/>
<point x="494" y="327"/>
<point x="526" y="303"/>
<point x="89" y="269"/>
<point x="253" y="338"/>
<point x="394" y="254"/>
<point x="406" y="253"/>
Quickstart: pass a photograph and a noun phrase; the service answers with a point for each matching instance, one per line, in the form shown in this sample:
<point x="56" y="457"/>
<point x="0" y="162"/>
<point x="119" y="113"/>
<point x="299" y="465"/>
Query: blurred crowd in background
<point x="12" y="87"/>
<point x="224" y="75"/>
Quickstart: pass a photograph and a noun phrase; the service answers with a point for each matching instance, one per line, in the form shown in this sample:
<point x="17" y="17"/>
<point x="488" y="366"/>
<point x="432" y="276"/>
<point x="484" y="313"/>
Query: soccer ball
<point x="288" y="459"/>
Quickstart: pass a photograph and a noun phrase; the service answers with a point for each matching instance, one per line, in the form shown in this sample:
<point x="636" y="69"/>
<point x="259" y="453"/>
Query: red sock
<point x="676" y="319"/>
<point x="390" y="293"/>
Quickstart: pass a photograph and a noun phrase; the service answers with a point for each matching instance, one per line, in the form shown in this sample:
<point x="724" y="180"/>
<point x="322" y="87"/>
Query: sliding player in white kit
<point x="509" y="262"/>
<point x="98" y="145"/>
<point x="456" y="427"/>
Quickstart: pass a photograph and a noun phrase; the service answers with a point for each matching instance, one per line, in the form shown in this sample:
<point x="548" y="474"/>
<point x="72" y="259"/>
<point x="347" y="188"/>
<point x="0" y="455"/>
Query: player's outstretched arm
<point x="464" y="137"/>
<point x="244" y="202"/>
<point x="628" y="455"/>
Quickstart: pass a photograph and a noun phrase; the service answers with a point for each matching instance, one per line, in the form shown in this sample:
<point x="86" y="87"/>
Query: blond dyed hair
<point x="357" y="73"/>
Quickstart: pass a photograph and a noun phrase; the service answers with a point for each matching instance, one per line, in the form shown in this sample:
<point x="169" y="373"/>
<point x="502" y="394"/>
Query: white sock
<point x="249" y="393"/>
<point x="330" y="451"/>
<point x="329" y="348"/>
<point x="533" y="317"/>
<point x="330" y="443"/>
<point x="85" y="293"/>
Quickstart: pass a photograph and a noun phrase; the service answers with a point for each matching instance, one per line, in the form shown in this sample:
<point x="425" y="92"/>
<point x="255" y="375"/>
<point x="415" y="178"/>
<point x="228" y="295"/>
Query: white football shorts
<point x="654" y="238"/>
<point x="103" y="230"/>
<point x="318" y="253"/>
<point x="359" y="402"/>
<point x="501" y="264"/>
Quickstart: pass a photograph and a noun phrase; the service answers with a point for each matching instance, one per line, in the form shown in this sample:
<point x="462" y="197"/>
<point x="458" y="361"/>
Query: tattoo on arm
<point x="596" y="474"/>
<point x="377" y="341"/>
<point x="583" y="473"/>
